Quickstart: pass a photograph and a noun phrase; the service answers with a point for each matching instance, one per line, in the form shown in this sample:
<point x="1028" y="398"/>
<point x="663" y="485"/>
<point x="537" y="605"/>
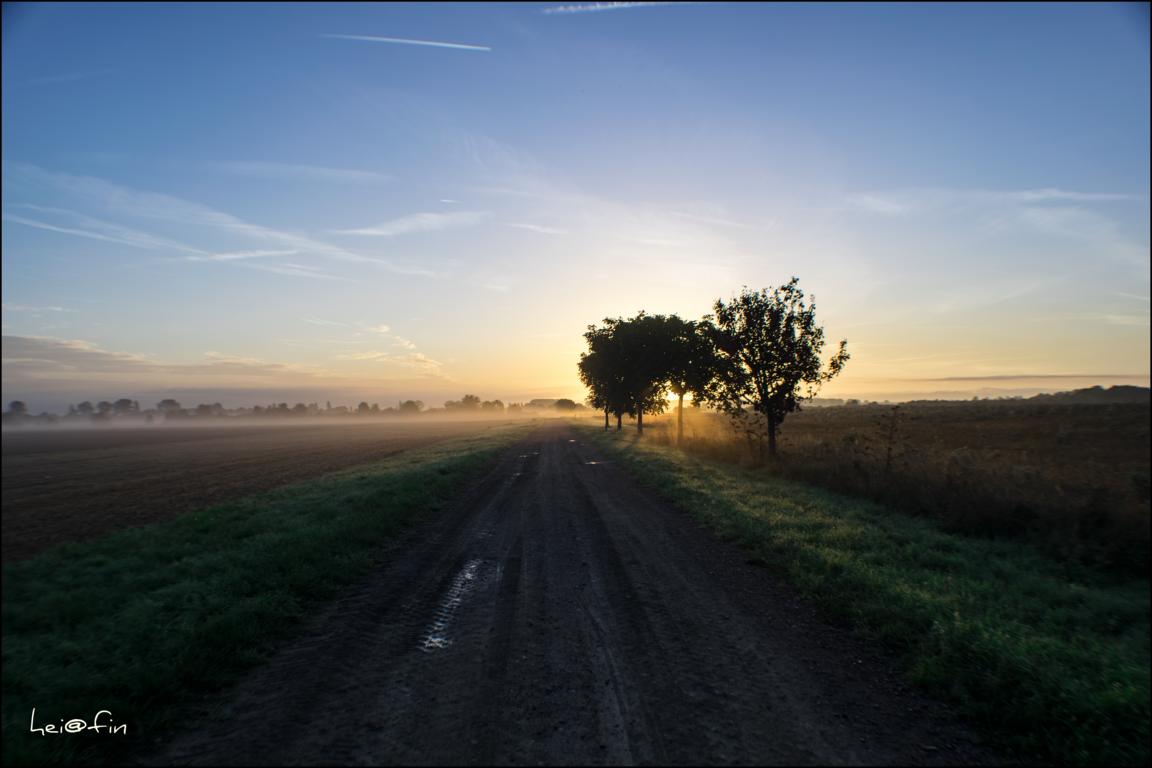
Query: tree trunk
<point x="772" y="436"/>
<point x="619" y="421"/>
<point x="680" y="420"/>
<point x="640" y="421"/>
<point x="605" y="419"/>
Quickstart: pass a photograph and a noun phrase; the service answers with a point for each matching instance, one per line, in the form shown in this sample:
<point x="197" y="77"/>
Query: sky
<point x="254" y="203"/>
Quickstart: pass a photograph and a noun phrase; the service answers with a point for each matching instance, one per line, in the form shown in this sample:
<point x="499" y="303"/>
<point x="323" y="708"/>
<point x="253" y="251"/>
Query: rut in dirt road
<point x="559" y="614"/>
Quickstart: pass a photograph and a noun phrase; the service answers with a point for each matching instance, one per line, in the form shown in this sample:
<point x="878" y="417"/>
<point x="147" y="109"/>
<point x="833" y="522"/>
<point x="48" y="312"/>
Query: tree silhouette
<point x="768" y="359"/>
<point x="601" y="369"/>
<point x="690" y="362"/>
<point x="466" y="403"/>
<point x="409" y="407"/>
<point x="18" y="408"/>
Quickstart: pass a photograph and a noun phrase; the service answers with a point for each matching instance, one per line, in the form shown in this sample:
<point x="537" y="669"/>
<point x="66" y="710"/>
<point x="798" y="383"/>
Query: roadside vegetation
<point x="146" y="621"/>
<point x="1070" y="478"/>
<point x="1050" y="658"/>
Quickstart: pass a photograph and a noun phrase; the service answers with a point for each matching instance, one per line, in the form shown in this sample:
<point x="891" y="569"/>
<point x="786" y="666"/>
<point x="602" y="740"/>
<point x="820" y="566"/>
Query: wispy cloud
<point x="407" y="41"/>
<point x="1139" y="321"/>
<point x="898" y="202"/>
<point x="538" y="228"/>
<point x="41" y="360"/>
<point x="419" y="222"/>
<point x="1096" y="233"/>
<point x="34" y="309"/>
<point x="305" y="172"/>
<point x="417" y="360"/>
<point x="1048" y="193"/>
<point x="877" y="204"/>
<point x="154" y="205"/>
<point x="318" y="321"/>
<point x="96" y="229"/>
<point x="1136" y="296"/>
<point x="402" y="342"/>
<point x="238" y="255"/>
<point x="600" y="7"/>
<point x="70" y="77"/>
<point x="362" y="329"/>
<point x="723" y="222"/>
<point x="295" y="270"/>
<point x="497" y="284"/>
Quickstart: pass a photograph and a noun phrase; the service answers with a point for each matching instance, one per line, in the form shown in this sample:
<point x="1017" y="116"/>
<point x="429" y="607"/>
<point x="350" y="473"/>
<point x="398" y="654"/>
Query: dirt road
<point x="559" y="614"/>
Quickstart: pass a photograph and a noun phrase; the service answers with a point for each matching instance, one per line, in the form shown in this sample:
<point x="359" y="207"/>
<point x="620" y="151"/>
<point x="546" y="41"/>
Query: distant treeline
<point x="168" y="409"/>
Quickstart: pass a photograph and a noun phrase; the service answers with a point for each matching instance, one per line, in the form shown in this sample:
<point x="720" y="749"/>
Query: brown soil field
<point x="69" y="485"/>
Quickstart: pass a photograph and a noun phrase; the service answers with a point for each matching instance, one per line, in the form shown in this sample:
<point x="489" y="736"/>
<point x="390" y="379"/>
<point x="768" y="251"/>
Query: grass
<point x="147" y="621"/>
<point x="1051" y="659"/>
<point x="1072" y="479"/>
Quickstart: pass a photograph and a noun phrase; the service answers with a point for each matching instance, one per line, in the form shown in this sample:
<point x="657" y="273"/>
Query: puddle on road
<point x="436" y="636"/>
<point x="595" y="462"/>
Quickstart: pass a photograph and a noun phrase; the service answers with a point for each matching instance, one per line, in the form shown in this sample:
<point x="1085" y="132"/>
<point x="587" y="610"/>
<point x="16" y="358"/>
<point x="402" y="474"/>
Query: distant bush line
<point x="127" y="411"/>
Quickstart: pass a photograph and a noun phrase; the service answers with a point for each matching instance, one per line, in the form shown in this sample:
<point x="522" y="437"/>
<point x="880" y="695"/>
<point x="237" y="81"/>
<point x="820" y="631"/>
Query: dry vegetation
<point x="1074" y="479"/>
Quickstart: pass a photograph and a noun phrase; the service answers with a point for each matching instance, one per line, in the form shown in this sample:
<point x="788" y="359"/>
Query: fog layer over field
<point x="68" y="484"/>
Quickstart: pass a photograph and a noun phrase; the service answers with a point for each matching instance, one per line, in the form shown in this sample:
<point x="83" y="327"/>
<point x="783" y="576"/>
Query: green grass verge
<point x="147" y="621"/>
<point x="1050" y="659"/>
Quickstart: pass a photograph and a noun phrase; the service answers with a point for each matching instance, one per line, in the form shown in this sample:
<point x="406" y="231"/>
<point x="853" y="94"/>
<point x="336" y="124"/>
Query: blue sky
<point x="232" y="202"/>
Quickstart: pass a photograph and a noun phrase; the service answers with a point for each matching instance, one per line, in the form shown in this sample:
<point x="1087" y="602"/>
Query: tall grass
<point x="1050" y="658"/>
<point x="144" y="621"/>
<point x="1071" y="479"/>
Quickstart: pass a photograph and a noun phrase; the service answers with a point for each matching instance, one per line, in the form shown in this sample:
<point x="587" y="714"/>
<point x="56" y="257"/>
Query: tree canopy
<point x="756" y="359"/>
<point x="767" y="361"/>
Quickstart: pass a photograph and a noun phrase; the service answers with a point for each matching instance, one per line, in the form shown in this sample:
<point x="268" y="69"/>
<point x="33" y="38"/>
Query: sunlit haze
<point x="267" y="202"/>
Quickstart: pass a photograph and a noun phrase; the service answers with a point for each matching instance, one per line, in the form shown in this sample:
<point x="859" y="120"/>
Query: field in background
<point x="1073" y="479"/>
<point x="70" y="485"/>
<point x="147" y="621"/>
<point x="1051" y="658"/>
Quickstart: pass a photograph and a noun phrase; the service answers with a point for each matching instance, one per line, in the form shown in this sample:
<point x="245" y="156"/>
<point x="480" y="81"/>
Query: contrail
<point x="404" y="41"/>
<point x="598" y="7"/>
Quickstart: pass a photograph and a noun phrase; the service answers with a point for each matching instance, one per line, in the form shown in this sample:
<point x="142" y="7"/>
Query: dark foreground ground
<point x="69" y="485"/>
<point x="559" y="614"/>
